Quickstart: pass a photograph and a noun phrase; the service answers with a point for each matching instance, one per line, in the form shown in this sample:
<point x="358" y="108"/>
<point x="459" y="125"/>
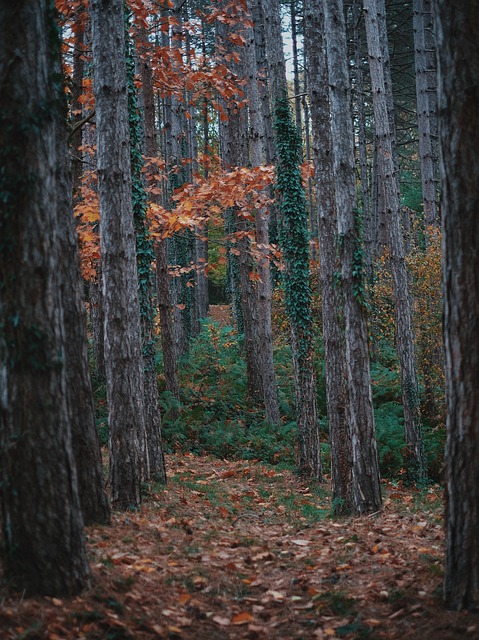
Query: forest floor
<point x="246" y="550"/>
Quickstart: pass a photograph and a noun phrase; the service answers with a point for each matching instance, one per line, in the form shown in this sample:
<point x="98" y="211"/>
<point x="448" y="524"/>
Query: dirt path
<point x="243" y="550"/>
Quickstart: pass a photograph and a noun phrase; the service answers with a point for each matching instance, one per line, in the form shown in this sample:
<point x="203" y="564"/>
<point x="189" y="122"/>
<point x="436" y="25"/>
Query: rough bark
<point x="415" y="458"/>
<point x="86" y="446"/>
<point x="458" y="92"/>
<point x="263" y="334"/>
<point x="42" y="527"/>
<point x="294" y="241"/>
<point x="96" y="320"/>
<point x="366" y="495"/>
<point x="76" y="139"/>
<point x="123" y="357"/>
<point x="170" y="359"/>
<point x="362" y="142"/>
<point x="294" y="46"/>
<point x="332" y="302"/>
<point x="155" y="460"/>
<point x="421" y="24"/>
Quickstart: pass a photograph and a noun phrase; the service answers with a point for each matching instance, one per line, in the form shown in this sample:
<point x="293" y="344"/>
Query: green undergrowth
<point x="216" y="417"/>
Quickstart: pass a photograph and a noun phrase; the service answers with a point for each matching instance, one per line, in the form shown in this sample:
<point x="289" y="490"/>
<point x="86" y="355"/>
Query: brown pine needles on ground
<point x="246" y="550"/>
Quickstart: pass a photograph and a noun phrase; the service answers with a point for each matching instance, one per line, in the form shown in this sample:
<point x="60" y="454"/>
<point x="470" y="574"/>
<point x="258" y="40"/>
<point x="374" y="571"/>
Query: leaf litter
<point x="246" y="550"/>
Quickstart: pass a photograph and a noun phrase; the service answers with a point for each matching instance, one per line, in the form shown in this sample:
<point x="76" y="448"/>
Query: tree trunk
<point x="294" y="45"/>
<point x="422" y="11"/>
<point x="86" y="446"/>
<point x="123" y="357"/>
<point x="43" y="546"/>
<point x="458" y="61"/>
<point x="294" y="241"/>
<point x="170" y="359"/>
<point x="97" y="326"/>
<point x="362" y="143"/>
<point x="263" y="334"/>
<point x="155" y="460"/>
<point x="76" y="139"/>
<point x="415" y="458"/>
<point x="332" y="302"/>
<point x="365" y="490"/>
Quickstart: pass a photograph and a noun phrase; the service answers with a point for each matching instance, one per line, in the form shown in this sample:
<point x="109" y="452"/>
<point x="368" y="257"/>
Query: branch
<point x="80" y="123"/>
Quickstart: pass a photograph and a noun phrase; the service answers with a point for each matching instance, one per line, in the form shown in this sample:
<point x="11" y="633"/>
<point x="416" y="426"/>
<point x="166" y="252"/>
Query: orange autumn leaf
<point x="242" y="618"/>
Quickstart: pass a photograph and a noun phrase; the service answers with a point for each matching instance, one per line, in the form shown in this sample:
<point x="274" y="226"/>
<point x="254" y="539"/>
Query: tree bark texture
<point x="155" y="460"/>
<point x="294" y="241"/>
<point x="42" y="527"/>
<point x="458" y="92"/>
<point x="263" y="333"/>
<point x="123" y="355"/>
<point x="421" y="25"/>
<point x="236" y="154"/>
<point x="86" y="446"/>
<point x="362" y="142"/>
<point x="170" y="359"/>
<point x="405" y="344"/>
<point x="365" y="490"/>
<point x="332" y="302"/>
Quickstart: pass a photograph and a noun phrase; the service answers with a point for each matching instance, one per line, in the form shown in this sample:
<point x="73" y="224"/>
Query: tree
<point x="332" y="301"/>
<point x="86" y="446"/>
<point x="42" y="527"/>
<point x="388" y="183"/>
<point x="144" y="257"/>
<point x="123" y="353"/>
<point x="294" y="241"/>
<point x="365" y="489"/>
<point x="458" y="61"/>
<point x="170" y="359"/>
<point x="262" y="331"/>
<point x="425" y="69"/>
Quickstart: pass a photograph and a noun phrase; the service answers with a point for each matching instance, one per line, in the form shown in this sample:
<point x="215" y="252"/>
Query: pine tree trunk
<point x="415" y="458"/>
<point x="365" y="490"/>
<point x="263" y="333"/>
<point x="458" y="61"/>
<point x="123" y="357"/>
<point x="76" y="139"/>
<point x="294" y="241"/>
<point x="236" y="155"/>
<point x="43" y="547"/>
<point x="294" y="46"/>
<point x="97" y="325"/>
<point x="332" y="303"/>
<point x="170" y="359"/>
<point x="86" y="446"/>
<point x="421" y="10"/>
<point x="155" y="460"/>
<point x="362" y="143"/>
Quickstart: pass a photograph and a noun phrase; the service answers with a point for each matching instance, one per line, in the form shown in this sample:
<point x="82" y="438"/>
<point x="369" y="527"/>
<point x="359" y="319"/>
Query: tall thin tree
<point x="387" y="171"/>
<point x="365" y="490"/>
<point x="332" y="300"/>
<point x="294" y="240"/>
<point x="123" y="354"/>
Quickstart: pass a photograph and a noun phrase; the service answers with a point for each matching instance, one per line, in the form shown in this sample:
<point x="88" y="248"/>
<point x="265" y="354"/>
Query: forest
<point x="239" y="319"/>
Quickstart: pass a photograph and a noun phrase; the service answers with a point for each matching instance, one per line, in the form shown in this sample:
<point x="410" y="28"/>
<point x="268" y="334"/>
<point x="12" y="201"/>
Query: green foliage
<point x="293" y="225"/>
<point x="216" y="416"/>
<point x="390" y="437"/>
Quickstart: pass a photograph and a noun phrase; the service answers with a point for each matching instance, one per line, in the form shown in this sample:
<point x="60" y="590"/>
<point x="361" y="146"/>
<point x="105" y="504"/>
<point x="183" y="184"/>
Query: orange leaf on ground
<point x="242" y="618"/>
